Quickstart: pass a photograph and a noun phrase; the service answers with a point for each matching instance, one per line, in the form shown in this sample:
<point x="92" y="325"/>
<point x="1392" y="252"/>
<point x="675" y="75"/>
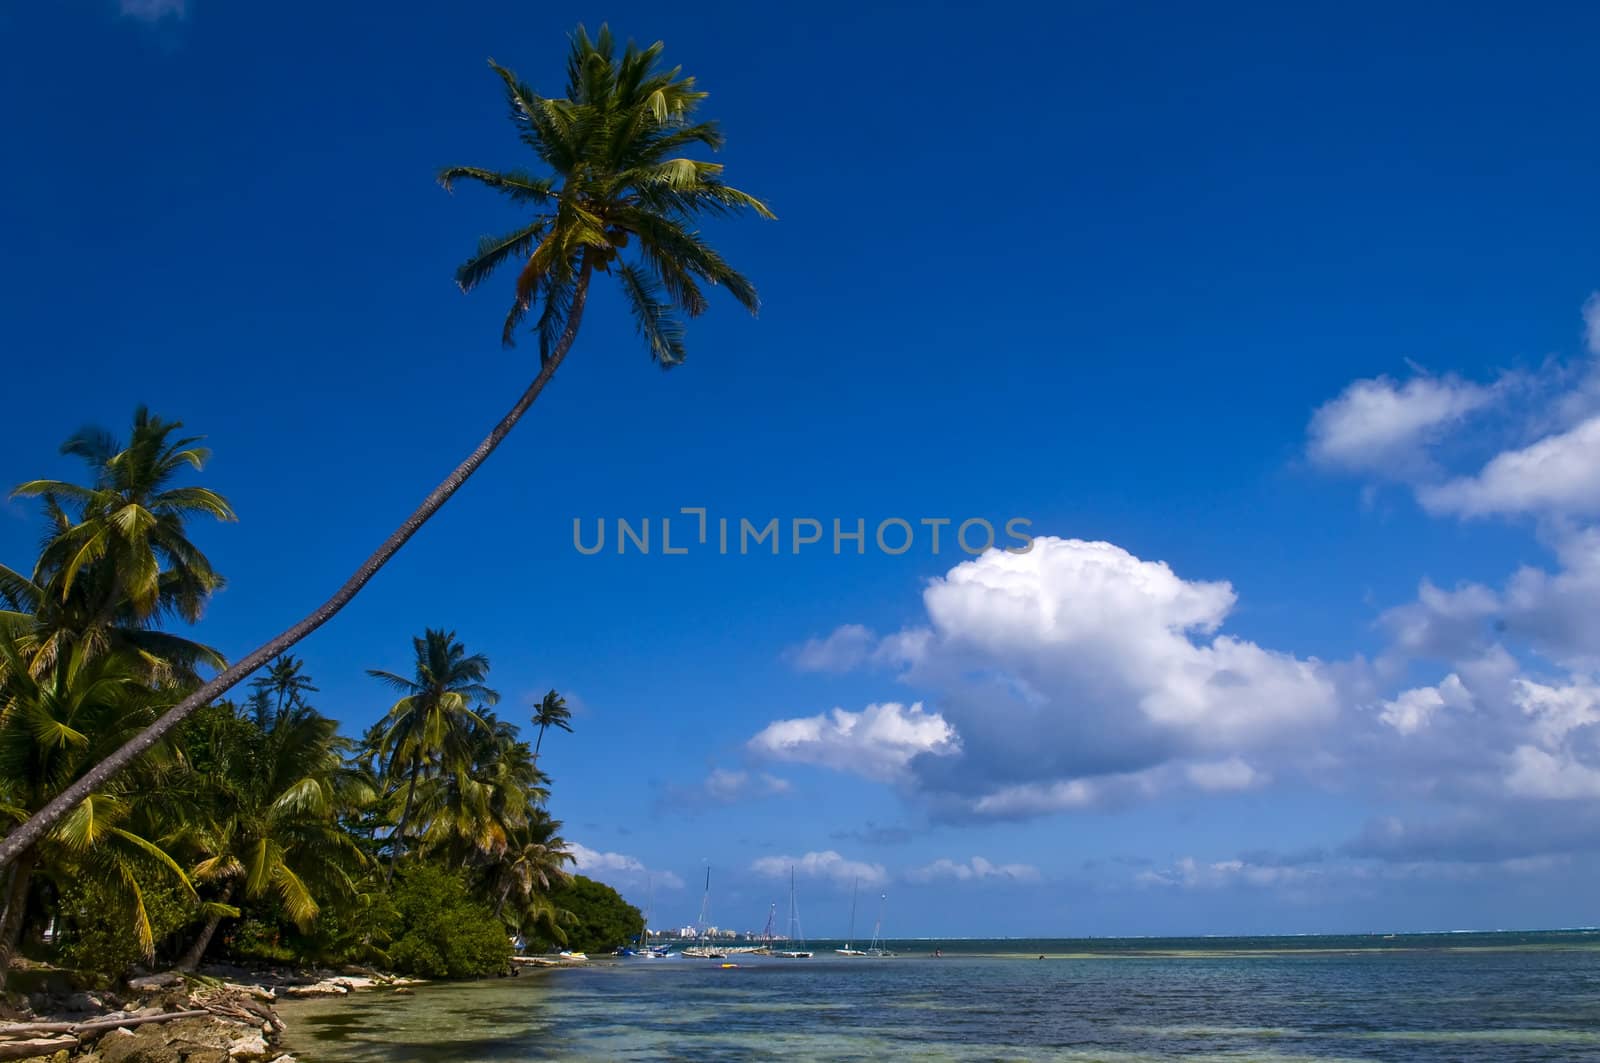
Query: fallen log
<point x="22" y="1029"/>
<point x="36" y="1046"/>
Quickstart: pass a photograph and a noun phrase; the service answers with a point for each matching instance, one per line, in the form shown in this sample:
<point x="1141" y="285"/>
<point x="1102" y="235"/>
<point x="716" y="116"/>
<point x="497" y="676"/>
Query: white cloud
<point x="1442" y="623"/>
<point x="827" y="864"/>
<point x="1382" y="427"/>
<point x="153" y="10"/>
<point x="847" y="646"/>
<point x="1591" y="323"/>
<point x="851" y="646"/>
<point x="1557" y="776"/>
<point x="1557" y="711"/>
<point x="1073" y="676"/>
<point x="878" y="742"/>
<point x="1557" y="612"/>
<point x="1559" y="474"/>
<point x="728" y="785"/>
<point x="1221" y="776"/>
<point x="1413" y="709"/>
<point x="618" y="869"/>
<point x="1189" y="873"/>
<point x="975" y="869"/>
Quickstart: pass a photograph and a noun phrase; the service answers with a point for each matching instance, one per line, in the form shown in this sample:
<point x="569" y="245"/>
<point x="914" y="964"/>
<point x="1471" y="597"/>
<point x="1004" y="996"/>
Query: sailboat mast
<point x="705" y="907"/>
<point x="851" y="943"/>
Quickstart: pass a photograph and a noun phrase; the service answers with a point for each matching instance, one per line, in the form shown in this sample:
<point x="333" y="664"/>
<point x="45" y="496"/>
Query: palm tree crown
<point x="618" y="181"/>
<point x="432" y="722"/>
<point x="551" y="711"/>
<point x="134" y="517"/>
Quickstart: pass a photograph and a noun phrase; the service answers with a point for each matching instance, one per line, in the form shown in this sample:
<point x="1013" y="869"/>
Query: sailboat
<point x="703" y="949"/>
<point x="797" y="941"/>
<point x="876" y="948"/>
<point x="850" y="942"/>
<point x="646" y="951"/>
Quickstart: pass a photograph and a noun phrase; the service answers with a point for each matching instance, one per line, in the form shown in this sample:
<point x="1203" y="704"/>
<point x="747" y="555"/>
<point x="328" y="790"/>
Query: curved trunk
<point x="405" y="817"/>
<point x="24" y="836"/>
<point x="197" y="951"/>
<point x="16" y="902"/>
<point x="500" y="902"/>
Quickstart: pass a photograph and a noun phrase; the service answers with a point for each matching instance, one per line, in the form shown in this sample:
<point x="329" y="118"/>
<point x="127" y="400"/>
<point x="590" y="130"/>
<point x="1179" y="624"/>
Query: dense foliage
<point x="255" y="831"/>
<point x="441" y="931"/>
<point x="600" y="919"/>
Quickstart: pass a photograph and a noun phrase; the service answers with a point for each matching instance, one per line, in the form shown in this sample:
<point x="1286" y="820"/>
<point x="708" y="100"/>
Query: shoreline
<point x="218" y="1014"/>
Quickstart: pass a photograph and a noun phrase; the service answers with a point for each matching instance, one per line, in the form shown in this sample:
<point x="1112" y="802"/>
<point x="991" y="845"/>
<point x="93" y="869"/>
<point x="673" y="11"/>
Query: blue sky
<point x="1284" y="309"/>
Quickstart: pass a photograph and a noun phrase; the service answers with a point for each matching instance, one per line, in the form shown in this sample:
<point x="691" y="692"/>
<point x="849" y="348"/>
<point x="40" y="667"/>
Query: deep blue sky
<point x="1093" y="265"/>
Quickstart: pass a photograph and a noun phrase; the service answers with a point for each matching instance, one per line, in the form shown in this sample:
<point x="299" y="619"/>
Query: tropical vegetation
<point x="255" y="830"/>
<point x="618" y="193"/>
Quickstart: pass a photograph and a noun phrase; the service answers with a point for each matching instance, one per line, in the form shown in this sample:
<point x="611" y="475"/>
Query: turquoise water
<point x="1450" y="997"/>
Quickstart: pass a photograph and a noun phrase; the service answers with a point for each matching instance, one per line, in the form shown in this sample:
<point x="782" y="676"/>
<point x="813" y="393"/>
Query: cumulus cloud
<point x="1078" y="674"/>
<point x="1073" y="676"/>
<point x="1550" y="611"/>
<point x="1556" y="611"/>
<point x="1440" y="623"/>
<point x="878" y="742"/>
<point x="1559" y="776"/>
<point x="1379" y="426"/>
<point x="824" y="865"/>
<point x="976" y="869"/>
<point x="153" y="10"/>
<point x="1413" y="709"/>
<point x="619" y="869"/>
<point x="1559" y="474"/>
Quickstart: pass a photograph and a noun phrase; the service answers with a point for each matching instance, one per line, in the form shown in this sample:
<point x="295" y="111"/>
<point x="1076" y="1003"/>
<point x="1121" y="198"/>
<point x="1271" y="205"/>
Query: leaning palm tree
<point x="617" y="181"/>
<point x="551" y="711"/>
<point x="430" y="726"/>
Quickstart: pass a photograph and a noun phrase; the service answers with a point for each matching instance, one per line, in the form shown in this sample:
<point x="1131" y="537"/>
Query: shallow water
<point x="1490" y="998"/>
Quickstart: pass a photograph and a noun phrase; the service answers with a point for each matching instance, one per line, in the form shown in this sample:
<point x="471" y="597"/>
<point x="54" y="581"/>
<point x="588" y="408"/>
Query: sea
<point x="1460" y="997"/>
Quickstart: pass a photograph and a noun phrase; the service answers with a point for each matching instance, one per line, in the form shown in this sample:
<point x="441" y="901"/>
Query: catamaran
<point x="850" y="942"/>
<point x="797" y="940"/>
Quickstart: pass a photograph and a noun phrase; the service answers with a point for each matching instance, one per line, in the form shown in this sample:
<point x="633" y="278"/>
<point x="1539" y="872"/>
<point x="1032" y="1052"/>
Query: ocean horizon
<point x="1443" y="996"/>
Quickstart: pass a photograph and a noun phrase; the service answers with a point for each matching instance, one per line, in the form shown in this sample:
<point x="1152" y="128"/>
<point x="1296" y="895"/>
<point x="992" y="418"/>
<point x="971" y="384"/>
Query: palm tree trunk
<point x="22" y="838"/>
<point x="405" y="816"/>
<point x="197" y="951"/>
<point x="538" y="741"/>
<point x="16" y="901"/>
<point x="500" y="902"/>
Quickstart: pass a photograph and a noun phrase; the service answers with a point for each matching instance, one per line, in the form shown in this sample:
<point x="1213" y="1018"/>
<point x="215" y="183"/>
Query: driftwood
<point x="36" y="1046"/>
<point x="20" y="1029"/>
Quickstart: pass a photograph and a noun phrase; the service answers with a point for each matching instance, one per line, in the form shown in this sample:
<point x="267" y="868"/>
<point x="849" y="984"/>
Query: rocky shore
<point x="220" y="1015"/>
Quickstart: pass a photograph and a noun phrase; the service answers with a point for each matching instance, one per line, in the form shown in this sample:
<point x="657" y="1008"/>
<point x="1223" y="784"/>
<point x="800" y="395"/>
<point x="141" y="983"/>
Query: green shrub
<point x="96" y="933"/>
<point x="443" y="932"/>
<point x="601" y="921"/>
